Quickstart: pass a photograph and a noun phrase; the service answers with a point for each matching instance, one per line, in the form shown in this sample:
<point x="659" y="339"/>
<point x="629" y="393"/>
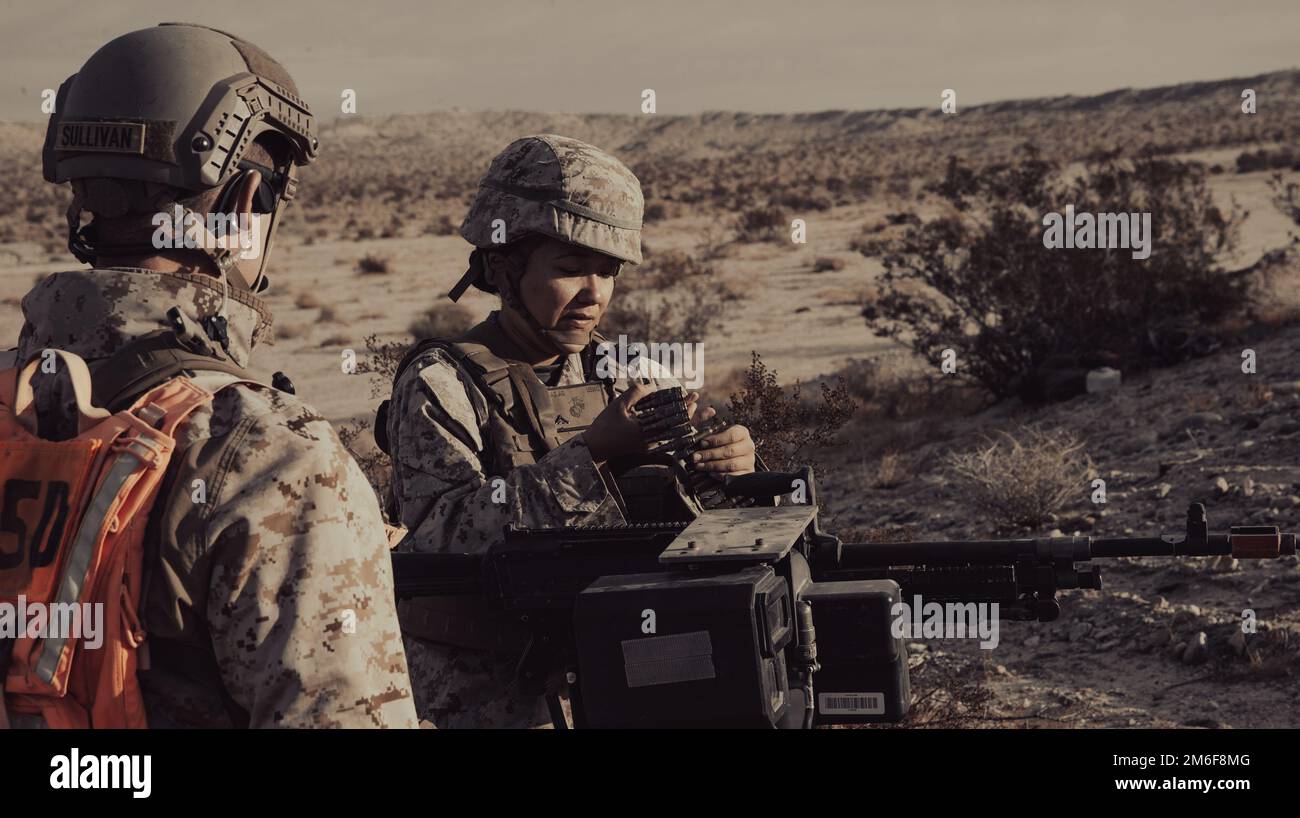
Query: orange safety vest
<point x="72" y="519"/>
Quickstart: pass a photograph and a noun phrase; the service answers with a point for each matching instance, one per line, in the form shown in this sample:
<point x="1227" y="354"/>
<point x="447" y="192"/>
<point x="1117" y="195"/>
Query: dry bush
<point x="979" y="279"/>
<point x="371" y="264"/>
<point x="892" y="471"/>
<point x="655" y="212"/>
<point x="1286" y="197"/>
<point x="289" y="331"/>
<point x="1265" y="159"/>
<point x="381" y="363"/>
<point x="681" y="314"/>
<point x="328" y="315"/>
<point x="669" y="269"/>
<point x="444" y="225"/>
<point x="715" y="239"/>
<point x="1019" y="481"/>
<point x="886" y="388"/>
<point x="825" y="264"/>
<point x="900" y="186"/>
<point x="870" y="246"/>
<point x="337" y="341"/>
<point x="443" y="319"/>
<point x="784" y="426"/>
<point x="758" y="224"/>
<point x="948" y="694"/>
<point x="306" y="301"/>
<point x="802" y="201"/>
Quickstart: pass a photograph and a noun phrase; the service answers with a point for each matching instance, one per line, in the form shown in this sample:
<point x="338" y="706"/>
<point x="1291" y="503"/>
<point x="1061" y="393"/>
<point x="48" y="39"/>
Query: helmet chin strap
<point x="509" y="289"/>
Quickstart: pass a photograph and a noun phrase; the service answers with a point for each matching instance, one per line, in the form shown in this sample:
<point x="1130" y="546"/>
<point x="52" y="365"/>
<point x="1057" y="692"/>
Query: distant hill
<point x="385" y="174"/>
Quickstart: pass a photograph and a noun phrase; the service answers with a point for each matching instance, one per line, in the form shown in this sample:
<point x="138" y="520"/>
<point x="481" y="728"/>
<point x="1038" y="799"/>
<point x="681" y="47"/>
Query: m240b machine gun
<point x="752" y="616"/>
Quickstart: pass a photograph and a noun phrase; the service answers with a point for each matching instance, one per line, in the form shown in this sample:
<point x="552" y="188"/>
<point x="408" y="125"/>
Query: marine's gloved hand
<point x="616" y="431"/>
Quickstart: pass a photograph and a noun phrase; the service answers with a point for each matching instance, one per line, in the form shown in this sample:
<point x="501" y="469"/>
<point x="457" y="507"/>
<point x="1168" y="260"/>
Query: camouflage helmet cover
<point x="558" y="187"/>
<point x="176" y="104"/>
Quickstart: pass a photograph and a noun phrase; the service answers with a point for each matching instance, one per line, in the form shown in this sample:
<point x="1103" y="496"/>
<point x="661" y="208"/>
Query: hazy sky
<point x="579" y="55"/>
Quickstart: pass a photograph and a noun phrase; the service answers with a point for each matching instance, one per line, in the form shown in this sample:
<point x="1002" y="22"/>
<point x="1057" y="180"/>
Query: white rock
<point x="1105" y="379"/>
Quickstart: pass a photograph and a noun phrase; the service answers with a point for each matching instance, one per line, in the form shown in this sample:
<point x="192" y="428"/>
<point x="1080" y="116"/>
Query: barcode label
<point x="851" y="704"/>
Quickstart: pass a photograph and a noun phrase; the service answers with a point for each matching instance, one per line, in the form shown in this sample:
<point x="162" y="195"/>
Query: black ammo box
<point x="863" y="676"/>
<point x="680" y="649"/>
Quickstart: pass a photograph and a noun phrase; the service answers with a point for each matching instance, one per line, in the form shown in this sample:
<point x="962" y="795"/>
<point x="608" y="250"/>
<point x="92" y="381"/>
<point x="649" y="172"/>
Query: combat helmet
<point x="176" y="105"/>
<point x="553" y="186"/>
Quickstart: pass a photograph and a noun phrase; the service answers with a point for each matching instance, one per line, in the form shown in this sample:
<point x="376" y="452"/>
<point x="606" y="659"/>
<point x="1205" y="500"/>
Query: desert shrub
<point x="371" y="264"/>
<point x="801" y="201"/>
<point x="892" y="471"/>
<point x="824" y="264"/>
<point x="444" y="225"/>
<point x="1286" y="197"/>
<point x="1019" y="481"/>
<point x="885" y="387"/>
<point x="668" y="269"/>
<point x="686" y="312"/>
<point x="306" y="301"/>
<point x="1265" y="159"/>
<point x="979" y="280"/>
<point x="715" y="238"/>
<point x="443" y="319"/>
<point x="762" y="224"/>
<point x="900" y="186"/>
<point x="380" y="363"/>
<point x="655" y="212"/>
<point x="783" y="425"/>
<point x="948" y="693"/>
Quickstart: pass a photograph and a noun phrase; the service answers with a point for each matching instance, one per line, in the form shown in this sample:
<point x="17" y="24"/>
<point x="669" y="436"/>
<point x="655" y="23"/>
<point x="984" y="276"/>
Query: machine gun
<point x="754" y="617"/>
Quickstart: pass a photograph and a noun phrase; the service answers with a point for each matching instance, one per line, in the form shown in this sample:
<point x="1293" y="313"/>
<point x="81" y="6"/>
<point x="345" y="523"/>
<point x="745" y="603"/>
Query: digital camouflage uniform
<point x="446" y="499"/>
<point x="267" y="597"/>
<point x="247" y="592"/>
<point x="444" y="469"/>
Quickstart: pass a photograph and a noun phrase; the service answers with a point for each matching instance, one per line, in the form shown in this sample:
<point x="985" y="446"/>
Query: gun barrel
<point x="1110" y="547"/>
<point x="960" y="552"/>
<point x="1246" y="542"/>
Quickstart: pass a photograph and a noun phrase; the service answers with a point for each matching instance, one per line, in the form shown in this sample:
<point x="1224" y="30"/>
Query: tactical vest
<point x="73" y="535"/>
<point x="520" y="419"/>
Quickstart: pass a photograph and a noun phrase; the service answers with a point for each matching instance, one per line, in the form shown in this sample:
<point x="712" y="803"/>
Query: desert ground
<point x="392" y="190"/>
